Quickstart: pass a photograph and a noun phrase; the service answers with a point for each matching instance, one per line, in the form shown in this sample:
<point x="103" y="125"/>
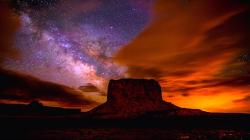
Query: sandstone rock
<point x="129" y="98"/>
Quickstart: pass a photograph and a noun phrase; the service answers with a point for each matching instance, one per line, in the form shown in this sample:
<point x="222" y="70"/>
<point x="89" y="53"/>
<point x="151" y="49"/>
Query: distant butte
<point x="132" y="98"/>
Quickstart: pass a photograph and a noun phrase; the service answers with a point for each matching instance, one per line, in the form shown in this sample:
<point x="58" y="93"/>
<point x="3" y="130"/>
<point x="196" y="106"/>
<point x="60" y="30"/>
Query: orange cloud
<point x="193" y="50"/>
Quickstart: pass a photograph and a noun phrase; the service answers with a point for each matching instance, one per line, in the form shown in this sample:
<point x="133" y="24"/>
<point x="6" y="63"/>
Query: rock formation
<point x="130" y="98"/>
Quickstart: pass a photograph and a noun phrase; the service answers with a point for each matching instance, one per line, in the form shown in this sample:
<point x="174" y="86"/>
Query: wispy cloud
<point x="16" y="87"/>
<point x="193" y="50"/>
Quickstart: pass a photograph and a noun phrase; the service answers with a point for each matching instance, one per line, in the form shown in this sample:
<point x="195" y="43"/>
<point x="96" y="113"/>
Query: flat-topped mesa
<point x="134" y="90"/>
<point x="128" y="98"/>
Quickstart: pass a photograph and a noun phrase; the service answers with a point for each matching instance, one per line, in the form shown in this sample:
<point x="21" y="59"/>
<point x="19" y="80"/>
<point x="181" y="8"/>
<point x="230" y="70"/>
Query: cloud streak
<point x="17" y="87"/>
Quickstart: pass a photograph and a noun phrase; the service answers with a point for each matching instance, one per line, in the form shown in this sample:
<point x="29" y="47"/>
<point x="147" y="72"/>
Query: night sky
<point x="73" y="42"/>
<point x="199" y="51"/>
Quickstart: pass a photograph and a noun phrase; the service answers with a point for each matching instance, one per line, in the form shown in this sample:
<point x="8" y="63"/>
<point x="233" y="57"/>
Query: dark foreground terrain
<point x="128" y="134"/>
<point x="38" y="122"/>
<point x="216" y="126"/>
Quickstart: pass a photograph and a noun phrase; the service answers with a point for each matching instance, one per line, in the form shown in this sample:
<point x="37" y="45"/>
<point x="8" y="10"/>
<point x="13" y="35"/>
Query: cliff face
<point x="129" y="98"/>
<point x="139" y="91"/>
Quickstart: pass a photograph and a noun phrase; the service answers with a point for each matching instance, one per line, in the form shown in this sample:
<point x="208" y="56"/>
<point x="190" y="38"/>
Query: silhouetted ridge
<point x="35" y="108"/>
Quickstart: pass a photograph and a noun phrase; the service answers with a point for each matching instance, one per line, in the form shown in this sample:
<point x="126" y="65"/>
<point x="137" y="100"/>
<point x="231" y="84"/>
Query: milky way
<point x="73" y="42"/>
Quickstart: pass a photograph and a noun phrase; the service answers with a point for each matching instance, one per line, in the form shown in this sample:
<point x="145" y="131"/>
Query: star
<point x="73" y="42"/>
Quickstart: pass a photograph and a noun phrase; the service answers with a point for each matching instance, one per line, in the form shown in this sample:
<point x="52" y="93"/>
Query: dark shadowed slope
<point x="23" y="88"/>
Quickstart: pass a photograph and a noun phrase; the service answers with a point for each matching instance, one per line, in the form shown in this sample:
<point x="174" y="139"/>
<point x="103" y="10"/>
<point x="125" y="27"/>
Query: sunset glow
<point x="195" y="50"/>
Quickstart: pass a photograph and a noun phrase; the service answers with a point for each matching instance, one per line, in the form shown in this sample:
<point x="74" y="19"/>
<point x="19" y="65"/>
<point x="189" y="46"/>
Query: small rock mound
<point x="36" y="105"/>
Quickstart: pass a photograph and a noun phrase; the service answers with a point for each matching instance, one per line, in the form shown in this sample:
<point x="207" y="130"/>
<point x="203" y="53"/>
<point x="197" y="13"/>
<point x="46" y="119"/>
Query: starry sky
<point x="73" y="42"/>
<point x="199" y="51"/>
